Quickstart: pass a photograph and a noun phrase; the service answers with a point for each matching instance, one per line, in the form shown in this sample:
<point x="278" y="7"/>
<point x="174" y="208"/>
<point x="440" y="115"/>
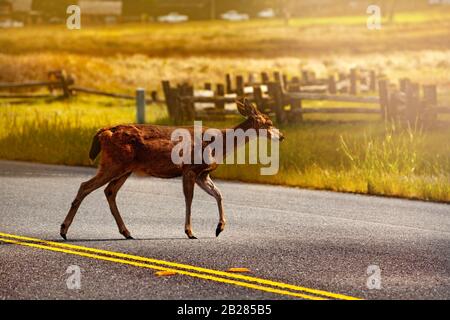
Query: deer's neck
<point x="247" y="124"/>
<point x="244" y="126"/>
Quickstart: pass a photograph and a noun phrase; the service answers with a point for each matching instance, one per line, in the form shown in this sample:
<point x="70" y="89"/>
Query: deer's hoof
<point x="126" y="234"/>
<point x="190" y="234"/>
<point x="219" y="229"/>
<point x="63" y="231"/>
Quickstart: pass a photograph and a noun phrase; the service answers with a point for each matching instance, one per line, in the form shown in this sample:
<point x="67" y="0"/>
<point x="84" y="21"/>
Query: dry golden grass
<point x="123" y="57"/>
<point x="331" y="35"/>
<point x="126" y="73"/>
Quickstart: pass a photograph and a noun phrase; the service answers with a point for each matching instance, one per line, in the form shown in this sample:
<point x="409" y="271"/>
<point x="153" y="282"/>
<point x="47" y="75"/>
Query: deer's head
<point x="258" y="120"/>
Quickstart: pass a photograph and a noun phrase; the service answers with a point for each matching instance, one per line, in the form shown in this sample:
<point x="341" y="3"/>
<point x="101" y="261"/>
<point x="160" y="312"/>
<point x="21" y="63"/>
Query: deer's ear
<point x="242" y="107"/>
<point x="251" y="107"/>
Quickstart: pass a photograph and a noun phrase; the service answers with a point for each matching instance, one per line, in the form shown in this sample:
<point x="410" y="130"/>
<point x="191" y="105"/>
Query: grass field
<point x="356" y="154"/>
<point x="362" y="157"/>
<point x="258" y="38"/>
<point x="123" y="57"/>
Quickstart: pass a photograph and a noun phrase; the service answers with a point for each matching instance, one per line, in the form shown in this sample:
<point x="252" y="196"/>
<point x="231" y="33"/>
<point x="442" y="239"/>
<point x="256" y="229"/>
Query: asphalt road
<point x="312" y="239"/>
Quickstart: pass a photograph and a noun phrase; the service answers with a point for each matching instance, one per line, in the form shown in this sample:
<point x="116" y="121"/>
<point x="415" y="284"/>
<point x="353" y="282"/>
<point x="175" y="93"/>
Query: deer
<point x="146" y="150"/>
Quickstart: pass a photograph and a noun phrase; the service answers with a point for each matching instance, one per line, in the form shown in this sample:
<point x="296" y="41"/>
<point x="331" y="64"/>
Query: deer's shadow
<point x="124" y="240"/>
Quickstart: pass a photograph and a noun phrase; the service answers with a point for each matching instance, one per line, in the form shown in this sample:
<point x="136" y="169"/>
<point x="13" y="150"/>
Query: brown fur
<point x="146" y="150"/>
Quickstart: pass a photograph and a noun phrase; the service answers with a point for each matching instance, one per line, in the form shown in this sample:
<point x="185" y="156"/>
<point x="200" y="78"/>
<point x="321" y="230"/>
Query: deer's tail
<point x="95" y="146"/>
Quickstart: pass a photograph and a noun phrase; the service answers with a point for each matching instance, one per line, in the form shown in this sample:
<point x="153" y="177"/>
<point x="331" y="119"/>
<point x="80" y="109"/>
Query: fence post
<point x="354" y="81"/>
<point x="170" y="101"/>
<point x="186" y="105"/>
<point x="295" y="84"/>
<point x="404" y="83"/>
<point x="395" y="101"/>
<point x="285" y="81"/>
<point x="412" y="102"/>
<point x="312" y="77"/>
<point x="189" y="91"/>
<point x="240" y="86"/>
<point x="305" y="77"/>
<point x="220" y="94"/>
<point x="276" y="92"/>
<point x="296" y="108"/>
<point x="430" y="95"/>
<point x="140" y="106"/>
<point x="264" y="78"/>
<point x="372" y="81"/>
<point x="363" y="77"/>
<point x="430" y="101"/>
<point x="228" y="83"/>
<point x="154" y="95"/>
<point x="64" y="83"/>
<point x="332" y="84"/>
<point x="258" y="97"/>
<point x="383" y="86"/>
<point x="278" y="78"/>
<point x="178" y="114"/>
<point x="251" y="78"/>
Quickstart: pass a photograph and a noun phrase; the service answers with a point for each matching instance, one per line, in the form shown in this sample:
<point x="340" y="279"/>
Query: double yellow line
<point x="183" y="269"/>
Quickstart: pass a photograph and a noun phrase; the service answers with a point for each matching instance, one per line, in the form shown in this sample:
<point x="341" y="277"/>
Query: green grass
<point x="61" y="132"/>
<point x="361" y="158"/>
<point x="348" y="157"/>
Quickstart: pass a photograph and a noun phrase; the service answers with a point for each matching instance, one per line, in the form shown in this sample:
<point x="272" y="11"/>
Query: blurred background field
<point x="122" y="57"/>
<point x="341" y="153"/>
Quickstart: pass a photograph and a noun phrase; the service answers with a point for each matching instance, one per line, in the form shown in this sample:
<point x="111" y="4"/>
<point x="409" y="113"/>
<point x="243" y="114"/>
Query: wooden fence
<point x="57" y="81"/>
<point x="365" y="91"/>
<point x="60" y="85"/>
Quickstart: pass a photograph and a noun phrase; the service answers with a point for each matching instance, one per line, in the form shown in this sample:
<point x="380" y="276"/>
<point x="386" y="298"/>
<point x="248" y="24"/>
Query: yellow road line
<point x="189" y="267"/>
<point x="149" y="266"/>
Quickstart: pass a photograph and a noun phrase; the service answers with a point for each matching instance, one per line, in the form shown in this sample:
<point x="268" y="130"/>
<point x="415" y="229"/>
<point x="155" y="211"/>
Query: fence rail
<point x="280" y="95"/>
<point x="32" y="84"/>
<point x="153" y="95"/>
<point x="284" y="97"/>
<point x="337" y="98"/>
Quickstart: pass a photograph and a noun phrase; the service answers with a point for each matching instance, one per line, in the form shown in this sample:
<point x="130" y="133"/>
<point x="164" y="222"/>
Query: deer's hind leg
<point x="205" y="182"/>
<point x="102" y="178"/>
<point x="111" y="192"/>
<point x="188" y="190"/>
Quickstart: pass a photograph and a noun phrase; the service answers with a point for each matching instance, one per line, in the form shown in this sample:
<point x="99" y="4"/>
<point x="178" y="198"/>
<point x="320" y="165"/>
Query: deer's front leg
<point x="205" y="182"/>
<point x="188" y="189"/>
<point x="111" y="194"/>
<point x="85" y="189"/>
